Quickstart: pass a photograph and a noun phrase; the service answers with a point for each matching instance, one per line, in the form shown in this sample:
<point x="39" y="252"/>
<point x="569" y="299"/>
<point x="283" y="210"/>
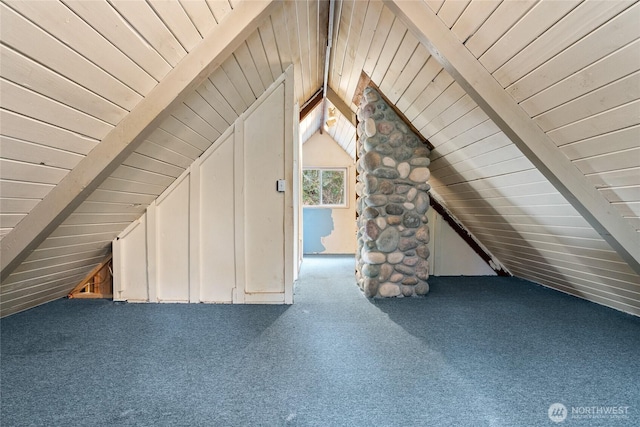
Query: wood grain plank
<point x="616" y="178"/>
<point x="137" y="175"/>
<point x="267" y="37"/>
<point x="108" y="22"/>
<point x="81" y="37"/>
<point x="486" y="132"/>
<point x="410" y="72"/>
<point x="440" y="103"/>
<point x="249" y="69"/>
<point x="618" y="140"/>
<point x="575" y="25"/>
<point x="214" y="98"/>
<point x="613" y="161"/>
<point x="146" y="22"/>
<point x="451" y="11"/>
<point x="191" y="119"/>
<point x="452" y="113"/>
<point x="23" y="101"/>
<point x="24" y="189"/>
<point x="607" y="97"/>
<point x="356" y="24"/>
<point x="535" y="22"/>
<point x="239" y="81"/>
<point x="616" y="118"/>
<point x="186" y="141"/>
<point x="618" y="32"/>
<point x="29" y="172"/>
<point x="101" y="218"/>
<point x="291" y="30"/>
<point x="400" y="61"/>
<point x="371" y="18"/>
<point x="23" y="151"/>
<point x="604" y="71"/>
<point x="177" y="21"/>
<point x="34" y="42"/>
<point x="391" y="45"/>
<point x="219" y="8"/>
<point x="426" y="75"/>
<point x="17" y="206"/>
<point x="27" y="73"/>
<point x="378" y="41"/>
<point x="196" y="102"/>
<point x="149" y="164"/>
<point x="259" y="57"/>
<point x="200" y="14"/>
<point x="175" y="161"/>
<point x="28" y="129"/>
<point x="473" y="17"/>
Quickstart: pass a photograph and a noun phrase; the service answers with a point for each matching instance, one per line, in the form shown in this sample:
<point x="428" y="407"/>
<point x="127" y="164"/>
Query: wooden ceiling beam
<point x="344" y="109"/>
<point x="119" y="143"/>
<point x="442" y="44"/>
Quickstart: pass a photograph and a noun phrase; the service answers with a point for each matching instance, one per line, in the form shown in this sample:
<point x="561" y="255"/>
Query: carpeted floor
<point x="474" y="352"/>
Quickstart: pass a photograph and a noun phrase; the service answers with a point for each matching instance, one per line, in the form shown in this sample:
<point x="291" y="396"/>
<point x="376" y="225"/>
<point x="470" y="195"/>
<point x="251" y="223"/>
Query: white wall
<point x="450" y="254"/>
<point x="221" y="232"/>
<point x="321" y="151"/>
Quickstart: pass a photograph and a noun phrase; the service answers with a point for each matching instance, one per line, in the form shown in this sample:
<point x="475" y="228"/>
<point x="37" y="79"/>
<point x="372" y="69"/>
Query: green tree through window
<point x="323" y="187"/>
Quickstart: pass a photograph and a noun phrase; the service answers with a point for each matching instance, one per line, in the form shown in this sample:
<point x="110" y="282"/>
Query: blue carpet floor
<point x="474" y="352"/>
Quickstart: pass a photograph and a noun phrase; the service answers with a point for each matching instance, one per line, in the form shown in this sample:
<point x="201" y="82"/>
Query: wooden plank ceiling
<point x="72" y="69"/>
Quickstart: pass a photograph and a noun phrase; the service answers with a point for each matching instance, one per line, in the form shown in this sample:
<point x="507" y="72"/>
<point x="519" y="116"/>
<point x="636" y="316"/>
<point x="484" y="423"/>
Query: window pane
<point x="311" y="187"/>
<point x="332" y="187"/>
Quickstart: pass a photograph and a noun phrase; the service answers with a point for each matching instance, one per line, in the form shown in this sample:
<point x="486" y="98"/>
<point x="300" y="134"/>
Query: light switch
<point x="281" y="185"/>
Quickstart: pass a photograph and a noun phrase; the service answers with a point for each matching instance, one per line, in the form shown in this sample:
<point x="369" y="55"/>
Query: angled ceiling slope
<point x="55" y="111"/>
<point x="571" y="73"/>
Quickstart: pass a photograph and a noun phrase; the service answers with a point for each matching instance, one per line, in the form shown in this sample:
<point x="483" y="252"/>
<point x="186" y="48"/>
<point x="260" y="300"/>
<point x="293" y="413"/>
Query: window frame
<point x="345" y="187"/>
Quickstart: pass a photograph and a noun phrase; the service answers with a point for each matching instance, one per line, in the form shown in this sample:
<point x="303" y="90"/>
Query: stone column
<point x="393" y="166"/>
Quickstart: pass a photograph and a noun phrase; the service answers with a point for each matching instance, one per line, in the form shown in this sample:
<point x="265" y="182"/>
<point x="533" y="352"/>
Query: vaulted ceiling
<point x="532" y="107"/>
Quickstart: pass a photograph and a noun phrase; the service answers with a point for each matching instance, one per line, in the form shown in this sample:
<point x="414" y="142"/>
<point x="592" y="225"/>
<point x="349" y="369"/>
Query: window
<point x="324" y="187"/>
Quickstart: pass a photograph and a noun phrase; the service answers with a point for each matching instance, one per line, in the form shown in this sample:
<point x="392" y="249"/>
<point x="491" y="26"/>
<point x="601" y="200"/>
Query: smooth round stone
<point x="423" y="251"/>
<point x="411" y="194"/>
<point x="422" y="270"/>
<point x="366" y="111"/>
<point x="404" y="169"/>
<point x="389" y="290"/>
<point x="397" y="198"/>
<point x="371" y="230"/>
<point x="420" y="161"/>
<point x="423" y="187"/>
<point x="384" y="149"/>
<point x="371" y="161"/>
<point x="369" y="144"/>
<point x="369" y="270"/>
<point x="370" y="127"/>
<point x="422" y="202"/>
<point x="388" y="240"/>
<point x="385" y="172"/>
<point x="420" y="175"/>
<point x="394" y="209"/>
<point x="394" y="219"/>
<point x="402" y="127"/>
<point x="395" y="257"/>
<point x="385" y="127"/>
<point x="411" y="220"/>
<point x="404" y="269"/>
<point x="403" y="153"/>
<point x="407" y="291"/>
<point x="421" y="288"/>
<point x="407" y="243"/>
<point x="371" y="213"/>
<point x="403" y="188"/>
<point x="396" y="139"/>
<point x="370" y="287"/>
<point x="407" y="233"/>
<point x="411" y="141"/>
<point x="421" y="151"/>
<point x="386" y="187"/>
<point x="396" y="277"/>
<point x="411" y="261"/>
<point x="370" y="95"/>
<point x="423" y="234"/>
<point x="359" y="188"/>
<point x="376" y="200"/>
<point x="386" y="270"/>
<point x="373" y="257"/>
<point x="381" y="222"/>
<point x="409" y="206"/>
<point x="410" y="281"/>
<point x="388" y="161"/>
<point x="370" y="183"/>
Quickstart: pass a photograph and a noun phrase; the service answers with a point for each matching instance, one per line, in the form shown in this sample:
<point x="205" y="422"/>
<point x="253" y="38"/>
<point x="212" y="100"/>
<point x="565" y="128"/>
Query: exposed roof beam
<point x="341" y="106"/>
<point x="519" y="127"/>
<point x="310" y="104"/>
<point x="190" y="72"/>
